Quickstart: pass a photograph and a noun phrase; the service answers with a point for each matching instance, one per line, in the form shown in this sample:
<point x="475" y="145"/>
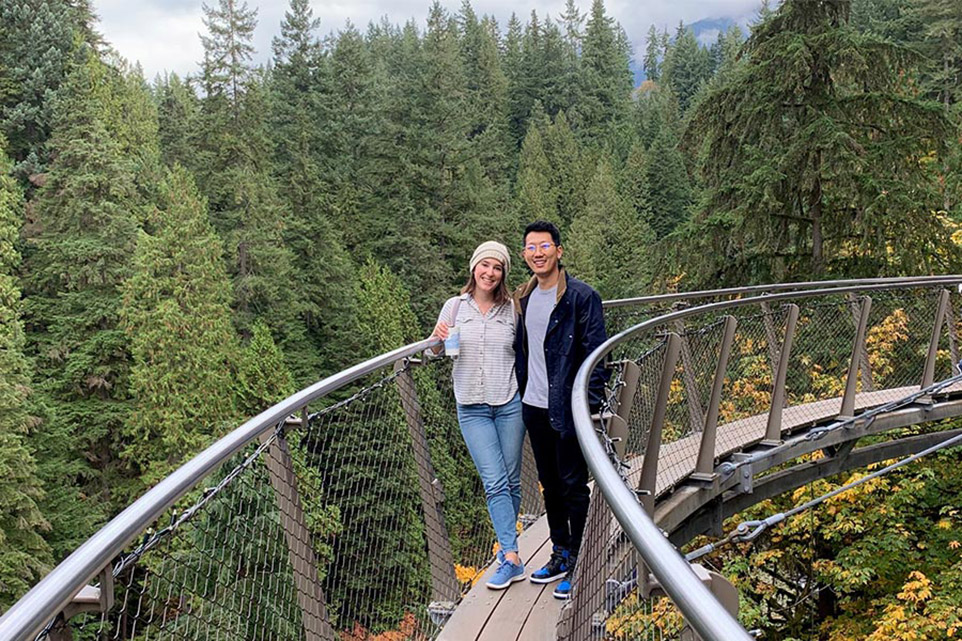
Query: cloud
<point x="163" y="34"/>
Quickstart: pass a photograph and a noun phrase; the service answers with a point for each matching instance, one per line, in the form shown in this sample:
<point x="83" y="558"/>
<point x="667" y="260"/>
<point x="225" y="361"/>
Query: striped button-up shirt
<point x="484" y="370"/>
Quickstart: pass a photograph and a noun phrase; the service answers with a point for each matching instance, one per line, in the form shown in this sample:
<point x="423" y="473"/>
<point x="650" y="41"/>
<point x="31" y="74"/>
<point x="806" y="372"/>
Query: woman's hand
<point x="440" y="331"/>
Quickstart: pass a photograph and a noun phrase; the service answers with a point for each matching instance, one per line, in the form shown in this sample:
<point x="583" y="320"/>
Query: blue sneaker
<point x="556" y="567"/>
<point x="563" y="591"/>
<point x="506" y="574"/>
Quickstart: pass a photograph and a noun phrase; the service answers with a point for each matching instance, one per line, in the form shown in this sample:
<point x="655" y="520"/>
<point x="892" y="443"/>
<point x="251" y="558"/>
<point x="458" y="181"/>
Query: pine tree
<point x="177" y="315"/>
<point x="300" y="93"/>
<point x="668" y="183"/>
<point x="24" y="555"/>
<point x="609" y="243"/>
<point x="651" y="61"/>
<point x="535" y="198"/>
<point x="816" y="162"/>
<point x="381" y="537"/>
<point x="687" y="66"/>
<point x="234" y="171"/>
<point x="262" y="377"/>
<point x="36" y="48"/>
<point x="178" y="110"/>
<point x="606" y="80"/>
<point x="83" y="233"/>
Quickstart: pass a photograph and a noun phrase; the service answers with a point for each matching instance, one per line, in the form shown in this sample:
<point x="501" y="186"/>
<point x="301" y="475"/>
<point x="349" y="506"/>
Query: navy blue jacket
<point x="575" y="328"/>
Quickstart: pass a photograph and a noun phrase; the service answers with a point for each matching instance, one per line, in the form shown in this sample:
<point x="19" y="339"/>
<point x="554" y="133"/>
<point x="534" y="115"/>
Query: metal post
<point x="647" y="484"/>
<point x="771" y="337"/>
<point x="865" y="367"/>
<point x="953" y="339"/>
<point x="617" y="422"/>
<point x="695" y="414"/>
<point x="310" y="596"/>
<point x="649" y="469"/>
<point x="773" y="431"/>
<point x="444" y="583"/>
<point x="705" y="468"/>
<point x="928" y="376"/>
<point x="848" y="401"/>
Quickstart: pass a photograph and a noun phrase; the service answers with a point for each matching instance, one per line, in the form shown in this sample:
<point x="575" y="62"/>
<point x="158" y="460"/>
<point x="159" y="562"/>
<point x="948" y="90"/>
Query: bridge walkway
<point x="529" y="612"/>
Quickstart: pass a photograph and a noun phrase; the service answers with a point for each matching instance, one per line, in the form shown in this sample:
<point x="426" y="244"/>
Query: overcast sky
<point x="163" y="34"/>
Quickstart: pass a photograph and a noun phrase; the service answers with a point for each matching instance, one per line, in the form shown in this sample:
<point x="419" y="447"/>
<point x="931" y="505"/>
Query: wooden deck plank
<point x="477" y="606"/>
<point x="514" y="609"/>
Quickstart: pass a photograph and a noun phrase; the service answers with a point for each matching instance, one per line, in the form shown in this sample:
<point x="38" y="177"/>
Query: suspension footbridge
<point x="350" y="511"/>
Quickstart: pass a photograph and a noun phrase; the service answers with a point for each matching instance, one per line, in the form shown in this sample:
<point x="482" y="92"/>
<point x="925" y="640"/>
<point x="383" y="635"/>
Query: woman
<point x="489" y="406"/>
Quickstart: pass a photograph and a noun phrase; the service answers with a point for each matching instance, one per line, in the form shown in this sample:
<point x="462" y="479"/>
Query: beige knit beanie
<point x="491" y="249"/>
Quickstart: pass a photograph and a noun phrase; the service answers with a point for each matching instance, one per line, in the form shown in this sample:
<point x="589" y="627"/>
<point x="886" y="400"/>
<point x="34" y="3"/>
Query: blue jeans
<point x="494" y="435"/>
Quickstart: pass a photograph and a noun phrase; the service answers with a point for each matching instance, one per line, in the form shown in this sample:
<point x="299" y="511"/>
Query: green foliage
<point x="176" y="314"/>
<point x="24" y="555"/>
<point x="817" y="156"/>
<point x="36" y="50"/>
<point x="79" y="245"/>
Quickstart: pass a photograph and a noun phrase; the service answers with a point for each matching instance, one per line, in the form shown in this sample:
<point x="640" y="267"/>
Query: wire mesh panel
<point x="361" y="520"/>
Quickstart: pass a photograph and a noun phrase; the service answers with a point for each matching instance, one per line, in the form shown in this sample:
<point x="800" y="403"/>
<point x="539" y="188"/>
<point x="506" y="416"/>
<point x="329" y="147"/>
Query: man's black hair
<point x="543" y="225"/>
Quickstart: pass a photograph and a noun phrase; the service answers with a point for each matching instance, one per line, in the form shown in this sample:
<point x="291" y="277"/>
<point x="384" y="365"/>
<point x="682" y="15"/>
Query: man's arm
<point x="593" y="335"/>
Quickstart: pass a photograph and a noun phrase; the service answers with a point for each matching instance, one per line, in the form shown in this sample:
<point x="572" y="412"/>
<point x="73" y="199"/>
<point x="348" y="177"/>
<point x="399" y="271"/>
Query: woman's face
<point x="488" y="274"/>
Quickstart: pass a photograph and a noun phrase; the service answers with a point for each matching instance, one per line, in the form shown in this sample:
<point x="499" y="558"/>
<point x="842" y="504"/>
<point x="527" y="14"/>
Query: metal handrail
<point x="27" y="617"/>
<point x="696" y="603"/>
<point x="757" y="289"/>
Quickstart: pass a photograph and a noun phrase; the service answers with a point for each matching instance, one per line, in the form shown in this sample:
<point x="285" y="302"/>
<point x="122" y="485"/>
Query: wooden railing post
<point x="848" y="401"/>
<point x="444" y="583"/>
<point x="310" y="596"/>
<point x="705" y="468"/>
<point x="773" y="430"/>
<point x="771" y="337"/>
<point x="928" y="375"/>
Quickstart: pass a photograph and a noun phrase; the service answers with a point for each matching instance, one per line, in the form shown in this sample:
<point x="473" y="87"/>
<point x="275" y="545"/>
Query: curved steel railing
<point x="25" y="619"/>
<point x="696" y="603"/>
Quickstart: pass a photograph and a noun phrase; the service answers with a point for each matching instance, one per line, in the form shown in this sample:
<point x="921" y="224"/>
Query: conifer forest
<point x="178" y="253"/>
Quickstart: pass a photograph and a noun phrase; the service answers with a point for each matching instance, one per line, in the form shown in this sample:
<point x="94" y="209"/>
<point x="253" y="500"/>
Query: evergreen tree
<point x="651" y="60"/>
<point x="324" y="273"/>
<point x="815" y="162"/>
<point x="24" y="555"/>
<point x="380" y="537"/>
<point x="177" y="314"/>
<point x="609" y="243"/>
<point x="567" y="175"/>
<point x="535" y="197"/>
<point x="606" y="80"/>
<point x="178" y="111"/>
<point x="668" y="183"/>
<point x="686" y="67"/>
<point x="84" y="229"/>
<point x="234" y="171"/>
<point x="262" y="377"/>
<point x="36" y="47"/>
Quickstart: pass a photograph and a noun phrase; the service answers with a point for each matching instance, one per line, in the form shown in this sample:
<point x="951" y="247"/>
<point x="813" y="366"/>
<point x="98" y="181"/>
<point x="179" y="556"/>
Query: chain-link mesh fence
<point x="610" y="595"/>
<point x="362" y="519"/>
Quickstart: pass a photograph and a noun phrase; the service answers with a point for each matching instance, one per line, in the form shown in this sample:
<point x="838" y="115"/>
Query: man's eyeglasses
<point x="532" y="248"/>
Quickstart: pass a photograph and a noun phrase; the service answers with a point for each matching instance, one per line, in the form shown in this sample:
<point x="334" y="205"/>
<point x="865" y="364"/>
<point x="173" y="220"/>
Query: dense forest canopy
<point x="165" y="242"/>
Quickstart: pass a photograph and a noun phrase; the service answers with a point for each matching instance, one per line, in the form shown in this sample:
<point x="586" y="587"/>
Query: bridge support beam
<point x="310" y="596"/>
<point x="773" y="431"/>
<point x="705" y="468"/>
<point x="928" y="375"/>
<point x="848" y="401"/>
<point x="444" y="583"/>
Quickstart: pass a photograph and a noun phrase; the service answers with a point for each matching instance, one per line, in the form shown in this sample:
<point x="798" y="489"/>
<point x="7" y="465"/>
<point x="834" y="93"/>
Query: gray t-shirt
<point x="540" y="305"/>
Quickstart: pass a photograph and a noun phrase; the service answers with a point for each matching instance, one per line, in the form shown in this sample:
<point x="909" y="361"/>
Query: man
<point x="561" y="323"/>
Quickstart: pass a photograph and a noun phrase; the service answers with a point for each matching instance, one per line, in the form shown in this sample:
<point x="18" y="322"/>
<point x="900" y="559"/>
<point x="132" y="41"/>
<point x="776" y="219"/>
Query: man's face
<point x="541" y="254"/>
